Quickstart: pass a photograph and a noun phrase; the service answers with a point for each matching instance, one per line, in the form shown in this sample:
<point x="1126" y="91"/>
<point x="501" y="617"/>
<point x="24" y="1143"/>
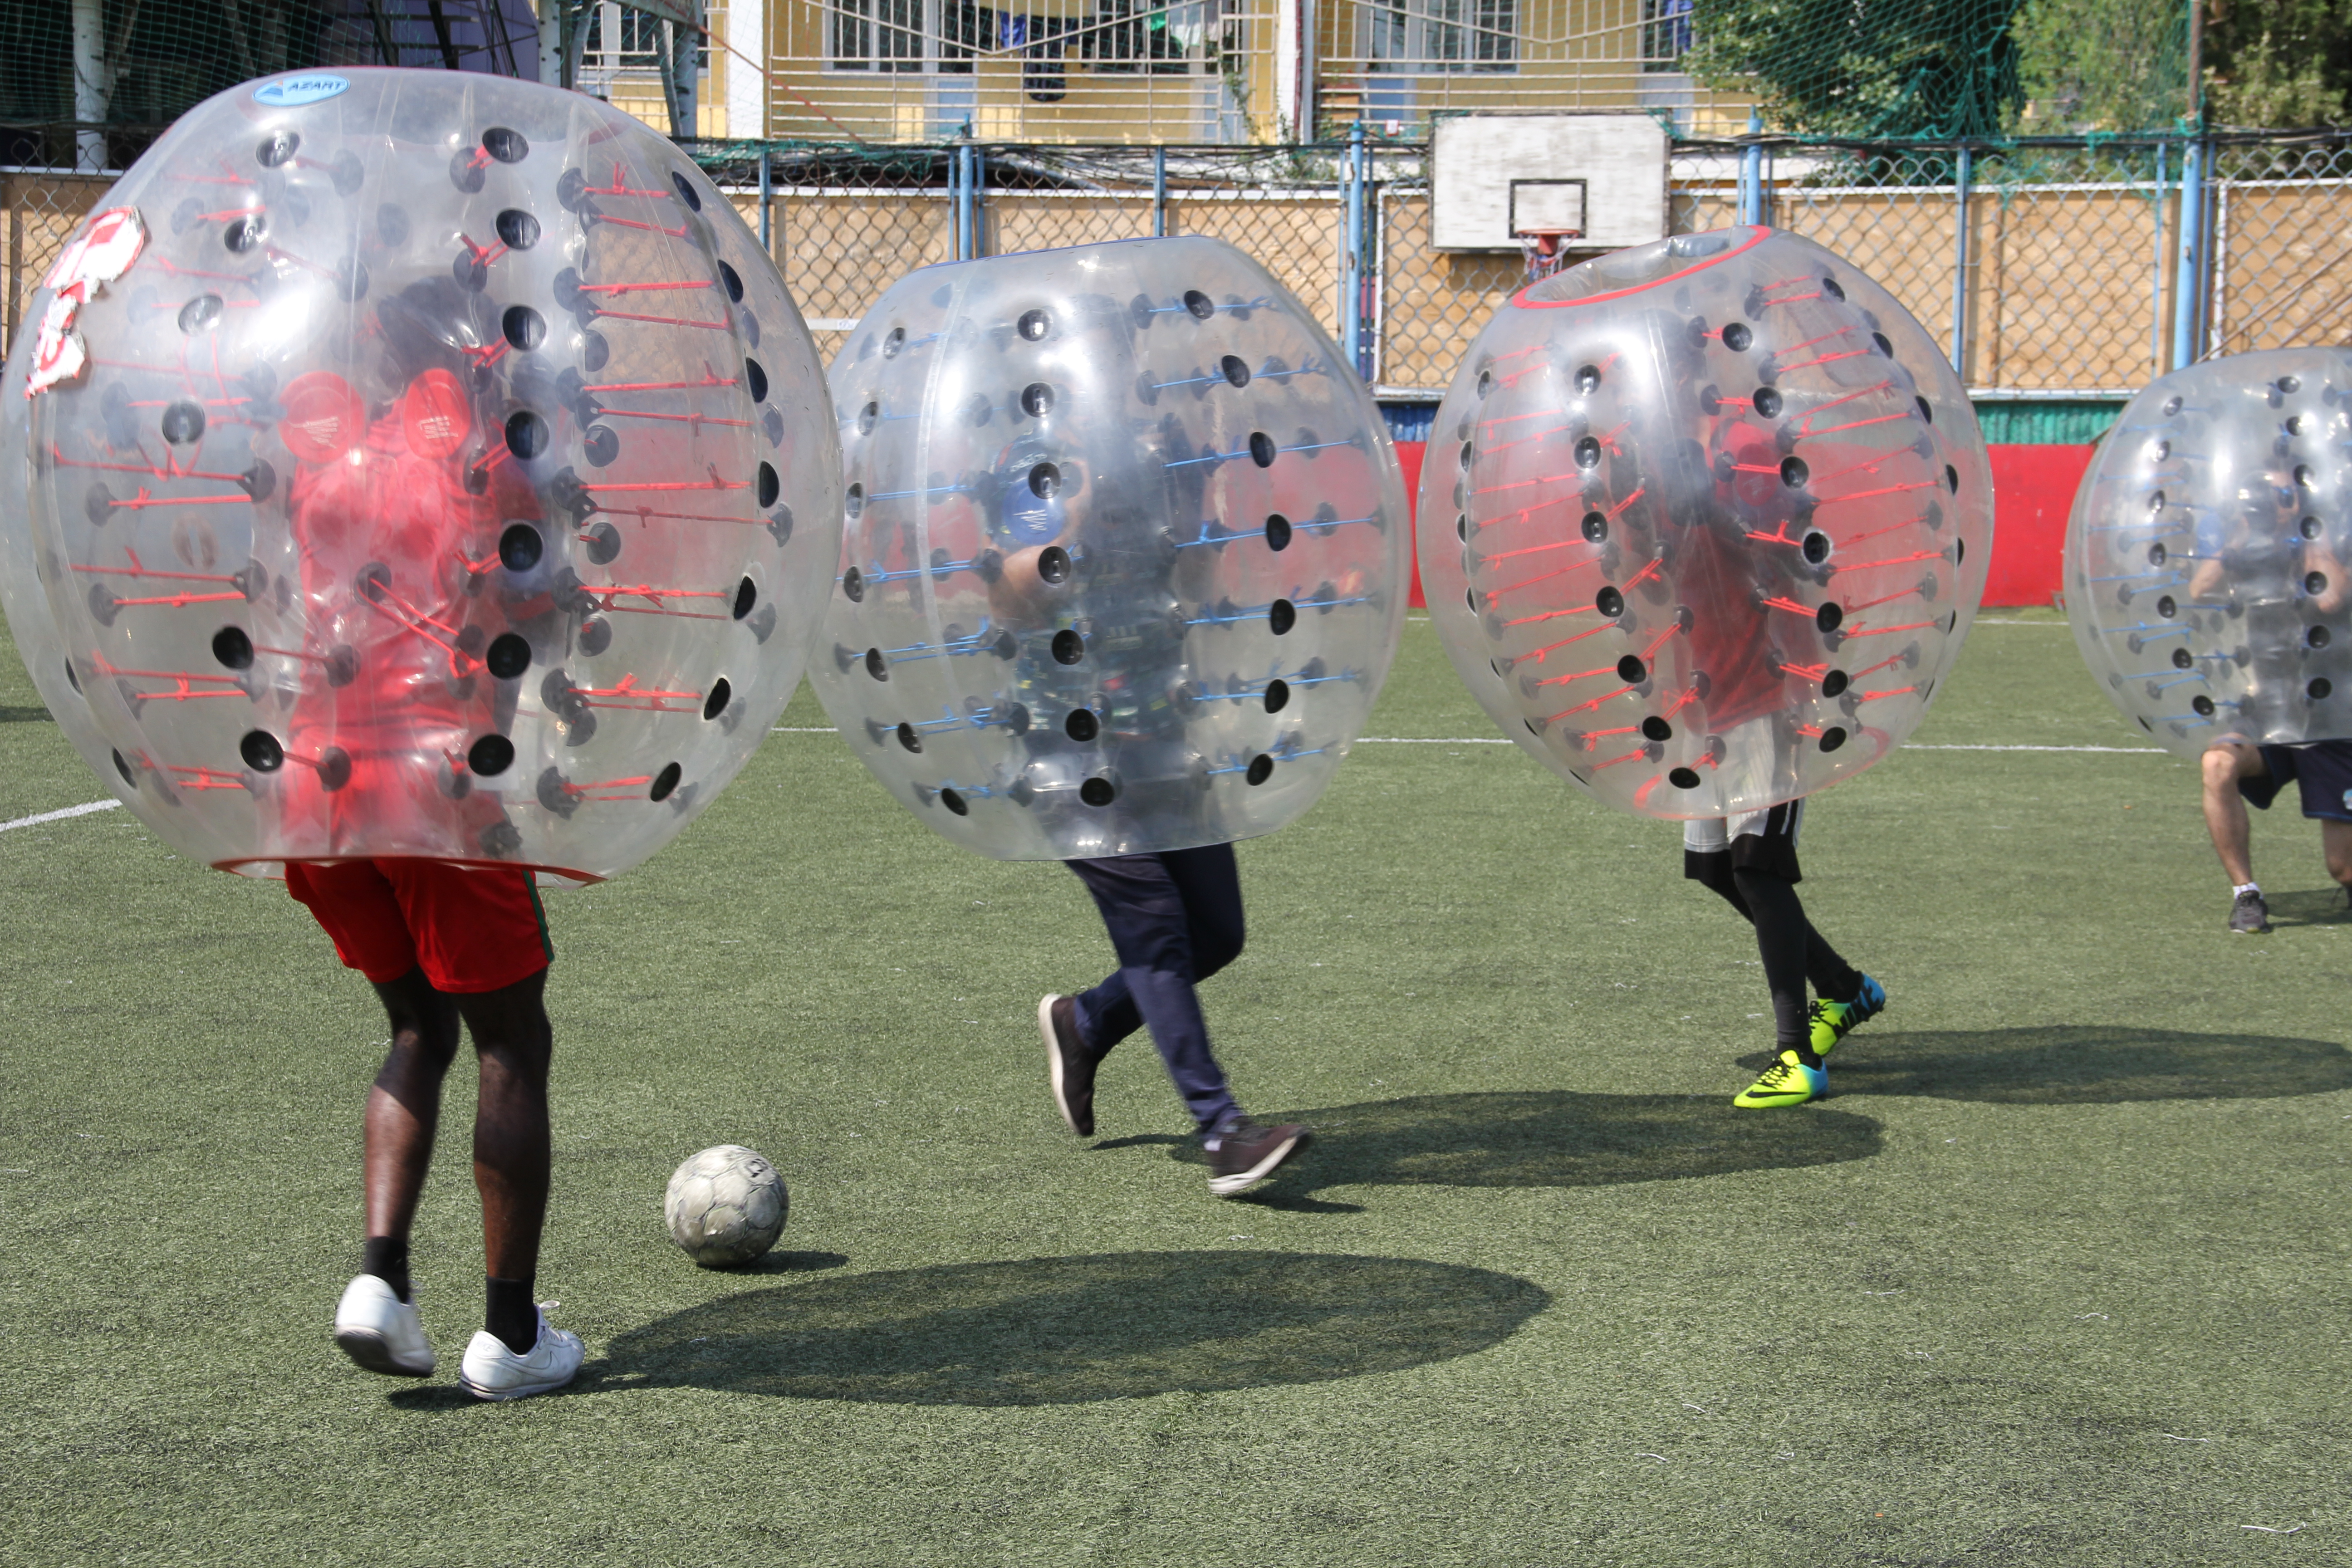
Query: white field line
<point x="34" y="821"/>
<point x="1907" y="746"/>
<point x="1499" y="741"/>
<point x="94" y="806"/>
<point x="2126" y="750"/>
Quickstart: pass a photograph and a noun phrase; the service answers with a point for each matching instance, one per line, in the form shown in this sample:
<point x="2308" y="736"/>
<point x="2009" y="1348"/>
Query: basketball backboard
<point x="1495" y="177"/>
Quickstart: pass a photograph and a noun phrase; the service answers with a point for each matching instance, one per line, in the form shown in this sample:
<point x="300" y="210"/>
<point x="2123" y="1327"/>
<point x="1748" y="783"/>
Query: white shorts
<point x="1712" y="834"/>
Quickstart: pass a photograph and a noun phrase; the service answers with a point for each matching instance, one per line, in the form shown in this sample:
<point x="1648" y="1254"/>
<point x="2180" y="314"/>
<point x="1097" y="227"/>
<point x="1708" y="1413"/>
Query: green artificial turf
<point x="2058" y="1277"/>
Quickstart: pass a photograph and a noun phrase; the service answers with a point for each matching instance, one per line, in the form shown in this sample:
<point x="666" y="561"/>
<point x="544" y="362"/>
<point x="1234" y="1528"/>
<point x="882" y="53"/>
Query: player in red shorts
<point x="393" y="540"/>
<point x="1751" y="860"/>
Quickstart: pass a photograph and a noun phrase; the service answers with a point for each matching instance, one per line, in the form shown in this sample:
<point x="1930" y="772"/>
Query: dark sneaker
<point x="1247" y="1154"/>
<point x="2250" y="914"/>
<point x="1069" y="1066"/>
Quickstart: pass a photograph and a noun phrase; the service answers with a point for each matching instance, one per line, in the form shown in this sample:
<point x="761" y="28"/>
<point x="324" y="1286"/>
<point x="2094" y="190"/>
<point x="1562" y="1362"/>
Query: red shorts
<point x="470" y="931"/>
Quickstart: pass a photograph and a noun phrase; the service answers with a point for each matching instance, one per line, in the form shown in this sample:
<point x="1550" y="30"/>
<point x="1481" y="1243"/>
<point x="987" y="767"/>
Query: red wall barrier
<point x="1409" y="459"/>
<point x="2033" y="489"/>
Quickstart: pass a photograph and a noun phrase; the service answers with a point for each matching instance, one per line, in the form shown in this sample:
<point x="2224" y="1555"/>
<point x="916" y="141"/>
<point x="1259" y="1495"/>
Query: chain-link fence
<point x="2282" y="224"/>
<point x="2047" y="269"/>
<point x="845" y="221"/>
<point x="2062" y="280"/>
<point x="43" y="208"/>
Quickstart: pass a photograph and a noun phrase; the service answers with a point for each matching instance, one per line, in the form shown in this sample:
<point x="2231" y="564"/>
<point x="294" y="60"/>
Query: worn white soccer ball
<point x="726" y="1206"/>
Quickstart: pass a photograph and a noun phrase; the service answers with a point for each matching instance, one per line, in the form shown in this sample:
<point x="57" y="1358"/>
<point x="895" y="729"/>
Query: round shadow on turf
<point x="1069" y="1331"/>
<point x="1552" y="1138"/>
<point x="2082" y="1064"/>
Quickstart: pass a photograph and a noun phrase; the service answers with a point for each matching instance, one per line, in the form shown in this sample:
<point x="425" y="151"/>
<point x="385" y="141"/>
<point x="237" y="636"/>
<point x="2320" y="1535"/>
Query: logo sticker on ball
<point x="294" y="91"/>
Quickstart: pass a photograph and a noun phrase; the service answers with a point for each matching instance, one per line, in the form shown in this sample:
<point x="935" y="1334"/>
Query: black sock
<point x="1834" y="980"/>
<point x="386" y="1258"/>
<point x="1781" y="933"/>
<point x="512" y="1316"/>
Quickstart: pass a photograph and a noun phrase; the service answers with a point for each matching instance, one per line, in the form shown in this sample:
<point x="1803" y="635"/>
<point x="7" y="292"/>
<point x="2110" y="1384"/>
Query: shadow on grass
<point x="1550" y="1138"/>
<point x="1068" y="1331"/>
<point x="2072" y="1064"/>
<point x="24" y="716"/>
<point x="792" y="1263"/>
<point x="2309" y="907"/>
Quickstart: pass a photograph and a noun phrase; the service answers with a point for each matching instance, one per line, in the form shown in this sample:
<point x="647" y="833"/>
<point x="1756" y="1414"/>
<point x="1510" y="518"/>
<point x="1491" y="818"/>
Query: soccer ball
<point x="726" y="1206"/>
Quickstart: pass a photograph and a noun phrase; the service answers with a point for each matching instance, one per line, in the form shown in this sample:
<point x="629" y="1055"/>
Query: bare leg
<point x="2225" y="809"/>
<point x="513" y="1040"/>
<point x="404" y="1106"/>
<point x="2335" y="843"/>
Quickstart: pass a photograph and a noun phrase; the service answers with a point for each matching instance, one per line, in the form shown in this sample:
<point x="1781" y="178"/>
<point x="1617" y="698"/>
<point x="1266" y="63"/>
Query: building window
<point x="1122" y="37"/>
<point x="879" y="36"/>
<point x="1427" y="36"/>
<point x="1039" y="39"/>
<point x="623" y="38"/>
<point x="1128" y="36"/>
<point x="1665" y="34"/>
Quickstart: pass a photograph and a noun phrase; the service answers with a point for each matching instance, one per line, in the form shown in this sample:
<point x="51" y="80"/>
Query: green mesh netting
<point x="146" y="62"/>
<point x="1947" y="68"/>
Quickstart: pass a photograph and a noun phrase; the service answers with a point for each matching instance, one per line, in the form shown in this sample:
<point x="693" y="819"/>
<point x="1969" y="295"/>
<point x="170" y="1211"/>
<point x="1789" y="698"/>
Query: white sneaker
<point x="490" y="1370"/>
<point x="381" y="1331"/>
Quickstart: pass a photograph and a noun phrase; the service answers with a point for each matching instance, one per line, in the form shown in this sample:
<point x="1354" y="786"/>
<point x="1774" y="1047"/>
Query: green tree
<point x="2122" y="65"/>
<point x="2102" y="65"/>
<point x="1864" y="68"/>
<point x="2284" y="63"/>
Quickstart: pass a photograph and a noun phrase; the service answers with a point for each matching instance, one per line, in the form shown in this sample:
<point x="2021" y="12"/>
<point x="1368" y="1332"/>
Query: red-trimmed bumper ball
<point x="412" y="463"/>
<point x="1703" y="523"/>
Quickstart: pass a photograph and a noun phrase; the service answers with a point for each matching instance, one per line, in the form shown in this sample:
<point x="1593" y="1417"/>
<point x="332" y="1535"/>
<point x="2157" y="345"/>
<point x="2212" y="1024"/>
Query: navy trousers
<point x="1174" y="919"/>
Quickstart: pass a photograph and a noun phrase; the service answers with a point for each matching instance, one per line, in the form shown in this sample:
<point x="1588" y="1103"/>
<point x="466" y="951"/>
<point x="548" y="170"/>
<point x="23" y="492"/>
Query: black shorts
<point x="1760" y="841"/>
<point x="2322" y="770"/>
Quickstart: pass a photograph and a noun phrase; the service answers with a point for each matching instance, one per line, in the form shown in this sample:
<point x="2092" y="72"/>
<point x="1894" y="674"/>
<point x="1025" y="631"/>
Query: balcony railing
<point x="1211" y="70"/>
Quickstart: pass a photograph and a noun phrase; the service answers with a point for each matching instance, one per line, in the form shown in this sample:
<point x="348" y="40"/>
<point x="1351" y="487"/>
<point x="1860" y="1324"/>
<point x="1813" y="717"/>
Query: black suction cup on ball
<point x="521" y="547"/>
<point x="509" y="656"/>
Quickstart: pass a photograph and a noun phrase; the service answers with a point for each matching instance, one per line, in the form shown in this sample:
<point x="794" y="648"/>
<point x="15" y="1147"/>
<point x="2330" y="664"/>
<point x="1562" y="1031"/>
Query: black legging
<point x="1792" y="951"/>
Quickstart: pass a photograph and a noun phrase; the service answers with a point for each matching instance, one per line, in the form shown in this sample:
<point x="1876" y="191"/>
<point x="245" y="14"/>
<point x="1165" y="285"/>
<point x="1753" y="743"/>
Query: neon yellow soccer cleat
<point x="1787" y="1081"/>
<point x="1834" y="1021"/>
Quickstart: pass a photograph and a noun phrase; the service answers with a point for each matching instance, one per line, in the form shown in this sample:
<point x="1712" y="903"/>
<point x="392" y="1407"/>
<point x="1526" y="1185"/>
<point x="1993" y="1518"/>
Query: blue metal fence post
<point x="2189" y="277"/>
<point x="1351" y="274"/>
<point x="767" y="206"/>
<point x="1751" y="174"/>
<point x="956" y="226"/>
<point x="975" y="183"/>
<point x="1158" y="193"/>
<point x="1960" y="271"/>
<point x="1368" y="270"/>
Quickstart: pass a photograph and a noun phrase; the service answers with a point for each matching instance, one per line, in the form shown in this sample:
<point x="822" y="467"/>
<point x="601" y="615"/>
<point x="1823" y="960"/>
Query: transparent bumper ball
<point x="1125" y="562"/>
<point x="2207" y="550"/>
<point x="1703" y="523"/>
<point x="415" y="463"/>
